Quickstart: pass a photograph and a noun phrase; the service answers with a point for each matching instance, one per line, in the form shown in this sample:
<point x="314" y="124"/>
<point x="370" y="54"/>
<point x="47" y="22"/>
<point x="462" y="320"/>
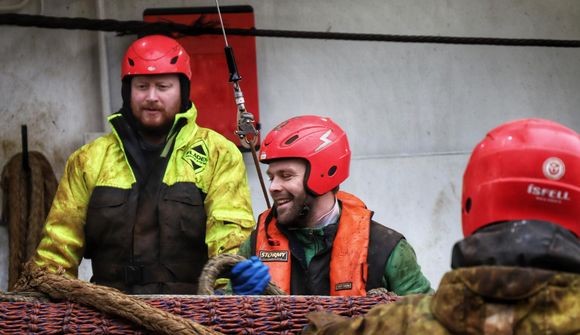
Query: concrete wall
<point x="48" y="81"/>
<point x="413" y="112"/>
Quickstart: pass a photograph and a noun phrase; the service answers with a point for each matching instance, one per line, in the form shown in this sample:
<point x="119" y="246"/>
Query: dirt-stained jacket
<point x="200" y="160"/>
<point x="477" y="300"/>
<point x="388" y="260"/>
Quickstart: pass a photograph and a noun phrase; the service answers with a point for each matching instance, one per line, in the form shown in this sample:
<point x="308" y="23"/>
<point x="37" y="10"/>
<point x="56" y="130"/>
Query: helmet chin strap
<point x="306" y="206"/>
<point x="304" y="211"/>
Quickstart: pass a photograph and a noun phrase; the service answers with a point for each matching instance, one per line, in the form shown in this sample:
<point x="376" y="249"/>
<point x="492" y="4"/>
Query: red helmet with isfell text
<point x="523" y="170"/>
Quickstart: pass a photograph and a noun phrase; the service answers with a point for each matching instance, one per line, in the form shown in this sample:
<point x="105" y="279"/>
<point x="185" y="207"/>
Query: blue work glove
<point x="250" y="277"/>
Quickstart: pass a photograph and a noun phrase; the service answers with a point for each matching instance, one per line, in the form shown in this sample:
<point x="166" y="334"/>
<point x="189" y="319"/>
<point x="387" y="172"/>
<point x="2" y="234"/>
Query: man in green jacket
<point x="151" y="201"/>
<point x="518" y="269"/>
<point x="317" y="240"/>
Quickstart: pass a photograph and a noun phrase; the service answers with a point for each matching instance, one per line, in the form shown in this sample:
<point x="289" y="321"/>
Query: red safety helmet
<point x="318" y="140"/>
<point x="523" y="170"/>
<point x="155" y="54"/>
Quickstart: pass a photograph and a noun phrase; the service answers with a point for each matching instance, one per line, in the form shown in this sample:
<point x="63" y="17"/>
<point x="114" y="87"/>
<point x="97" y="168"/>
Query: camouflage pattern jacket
<point x="475" y="300"/>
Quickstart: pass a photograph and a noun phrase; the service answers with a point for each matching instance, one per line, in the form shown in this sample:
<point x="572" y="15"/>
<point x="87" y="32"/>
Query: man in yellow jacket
<point x="151" y="201"/>
<point x="518" y="269"/>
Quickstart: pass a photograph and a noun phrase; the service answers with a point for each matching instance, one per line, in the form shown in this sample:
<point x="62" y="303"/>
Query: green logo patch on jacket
<point x="197" y="156"/>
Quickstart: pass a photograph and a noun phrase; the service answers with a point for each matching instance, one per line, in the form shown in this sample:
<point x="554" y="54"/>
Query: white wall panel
<point x="413" y="112"/>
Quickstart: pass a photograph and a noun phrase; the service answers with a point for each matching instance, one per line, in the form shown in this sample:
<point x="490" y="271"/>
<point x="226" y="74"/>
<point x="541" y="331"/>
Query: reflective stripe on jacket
<point x="204" y="171"/>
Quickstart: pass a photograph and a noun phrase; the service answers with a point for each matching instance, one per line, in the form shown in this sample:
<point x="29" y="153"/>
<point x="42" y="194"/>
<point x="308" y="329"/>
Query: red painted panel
<point x="211" y="91"/>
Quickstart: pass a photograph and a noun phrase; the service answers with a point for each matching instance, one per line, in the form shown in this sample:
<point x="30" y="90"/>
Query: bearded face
<point x="287" y="190"/>
<point x="155" y="100"/>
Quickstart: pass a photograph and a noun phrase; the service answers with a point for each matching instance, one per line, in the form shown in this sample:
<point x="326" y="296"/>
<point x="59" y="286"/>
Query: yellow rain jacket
<point x="148" y="231"/>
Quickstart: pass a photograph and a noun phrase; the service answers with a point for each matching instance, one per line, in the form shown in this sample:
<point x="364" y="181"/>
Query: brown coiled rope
<point x="220" y="267"/>
<point x="107" y="300"/>
<point x="27" y="193"/>
<point x="163" y="314"/>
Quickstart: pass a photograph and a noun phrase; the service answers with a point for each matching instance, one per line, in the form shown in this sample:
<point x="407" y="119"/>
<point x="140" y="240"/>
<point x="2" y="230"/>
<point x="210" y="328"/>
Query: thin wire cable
<point x="244" y="137"/>
<point x="217" y="4"/>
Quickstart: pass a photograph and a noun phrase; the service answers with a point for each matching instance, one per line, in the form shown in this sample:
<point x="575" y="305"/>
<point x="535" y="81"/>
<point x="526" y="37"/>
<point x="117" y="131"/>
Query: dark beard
<point x="156" y="132"/>
<point x="297" y="215"/>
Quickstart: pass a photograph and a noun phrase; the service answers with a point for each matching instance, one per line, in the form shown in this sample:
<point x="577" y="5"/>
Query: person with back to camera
<point x="517" y="271"/>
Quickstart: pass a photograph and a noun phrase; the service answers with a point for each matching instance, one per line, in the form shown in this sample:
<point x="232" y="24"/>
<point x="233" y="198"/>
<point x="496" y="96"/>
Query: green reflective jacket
<point x="478" y="300"/>
<point x="199" y="156"/>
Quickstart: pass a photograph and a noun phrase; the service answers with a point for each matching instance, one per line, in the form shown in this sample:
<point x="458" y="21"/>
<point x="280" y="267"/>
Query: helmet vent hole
<point x="174" y="60"/>
<point x="291" y="140"/>
<point x="131" y="62"/>
<point x="332" y="171"/>
<point x="467" y="205"/>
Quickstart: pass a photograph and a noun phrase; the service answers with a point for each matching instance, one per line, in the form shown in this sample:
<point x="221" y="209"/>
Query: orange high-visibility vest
<point x="348" y="261"/>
